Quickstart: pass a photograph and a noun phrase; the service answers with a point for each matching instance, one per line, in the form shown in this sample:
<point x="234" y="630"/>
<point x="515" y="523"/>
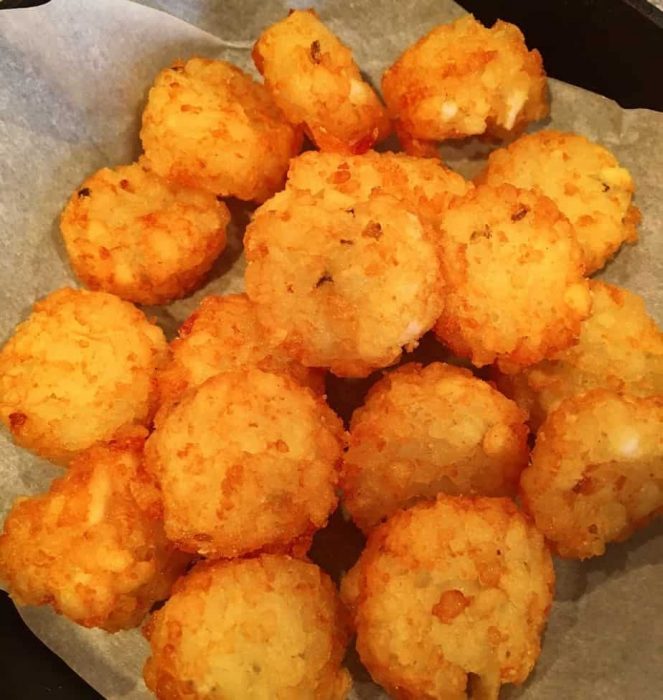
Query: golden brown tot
<point x="314" y="79"/>
<point x="463" y="79"/>
<point x="209" y="125"/>
<point x="267" y="627"/>
<point x="93" y="545"/>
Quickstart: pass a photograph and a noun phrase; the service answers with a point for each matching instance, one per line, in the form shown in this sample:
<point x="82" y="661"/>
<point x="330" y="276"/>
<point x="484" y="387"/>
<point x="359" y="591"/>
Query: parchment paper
<point x="73" y="79"/>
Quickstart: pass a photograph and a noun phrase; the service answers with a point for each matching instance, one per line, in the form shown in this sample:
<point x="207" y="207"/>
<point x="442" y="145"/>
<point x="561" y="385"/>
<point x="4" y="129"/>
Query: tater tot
<point x="314" y="79"/>
<point x="426" y="430"/>
<point x="583" y="179"/>
<point x="270" y="627"/>
<point x="450" y="599"/>
<point x="130" y="233"/>
<point x="423" y="185"/>
<point x="93" y="545"/>
<point x="224" y="334"/>
<point x="515" y="293"/>
<point x="463" y="79"/>
<point x="248" y="461"/>
<point x="343" y="287"/>
<point x="209" y="125"/>
<point x="80" y="370"/>
<point x="620" y="348"/>
<point x="597" y="471"/>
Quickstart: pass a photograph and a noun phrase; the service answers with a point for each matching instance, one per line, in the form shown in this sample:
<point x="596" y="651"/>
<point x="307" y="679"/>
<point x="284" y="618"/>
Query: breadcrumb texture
<point x="316" y="82"/>
<point x="93" y="546"/>
<point x="450" y="599"/>
<point x="513" y="268"/>
<point x="597" y="471"/>
<point x="343" y="287"/>
<point x="584" y="180"/>
<point x="270" y="627"/>
<point x="463" y="79"/>
<point x="209" y="125"/>
<point x="620" y="348"/>
<point x="79" y="370"/>
<point x="426" y="430"/>
<point x="424" y="185"/>
<point x="224" y="334"/>
<point x="247" y="461"/>
<point x="130" y="233"/>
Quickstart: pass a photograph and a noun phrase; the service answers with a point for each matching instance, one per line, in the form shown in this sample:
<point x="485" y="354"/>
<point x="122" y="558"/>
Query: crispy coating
<point x="93" y="545"/>
<point x="209" y="125"/>
<point x="450" y="599"/>
<point x="426" y="430"/>
<point x="424" y="185"/>
<point x="597" y="471"/>
<point x="316" y="82"/>
<point x="583" y="179"/>
<point x="513" y="268"/>
<point x="223" y="334"/>
<point x="130" y="233"/>
<point x="620" y="348"/>
<point x="270" y="627"/>
<point x="247" y="461"/>
<point x="80" y="370"/>
<point x="463" y="79"/>
<point x="343" y="287"/>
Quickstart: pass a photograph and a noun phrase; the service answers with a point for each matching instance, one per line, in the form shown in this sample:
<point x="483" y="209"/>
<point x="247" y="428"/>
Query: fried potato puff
<point x="343" y="287"/>
<point x="450" y="599"/>
<point x="314" y="79"/>
<point x="583" y="179"/>
<point x="268" y="627"/>
<point x="130" y="233"/>
<point x="80" y="370"/>
<point x="597" y="471"/>
<point x="620" y="348"/>
<point x="224" y="334"/>
<point x="93" y="545"/>
<point x="463" y="79"/>
<point x="245" y="462"/>
<point x="426" y="430"/>
<point x="423" y="185"/>
<point x="515" y="293"/>
<point x="209" y="125"/>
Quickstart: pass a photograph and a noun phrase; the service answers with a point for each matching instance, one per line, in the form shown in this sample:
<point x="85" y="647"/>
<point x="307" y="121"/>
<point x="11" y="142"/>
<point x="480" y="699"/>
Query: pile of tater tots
<point x="199" y="471"/>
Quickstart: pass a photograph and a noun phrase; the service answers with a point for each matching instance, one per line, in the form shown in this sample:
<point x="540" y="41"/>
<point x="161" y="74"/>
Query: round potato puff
<point x="515" y="292"/>
<point x="247" y="461"/>
<point x="314" y="79"/>
<point x="209" y="125"/>
<point x="463" y="79"/>
<point x="267" y="627"/>
<point x="426" y="430"/>
<point x="620" y="348"/>
<point x="597" y="471"/>
<point x="224" y="334"/>
<point x="343" y="288"/>
<point x="425" y="186"/>
<point x="583" y="179"/>
<point x="93" y="545"/>
<point x="130" y="233"/>
<point x="80" y="370"/>
<point x="450" y="599"/>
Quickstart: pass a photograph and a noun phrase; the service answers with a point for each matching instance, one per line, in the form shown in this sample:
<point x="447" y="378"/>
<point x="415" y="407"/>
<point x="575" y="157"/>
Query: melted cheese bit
<point x="630" y="446"/>
<point x="100" y="491"/>
<point x="412" y="331"/>
<point x="358" y="91"/>
<point x="514" y="102"/>
<point x="448" y="111"/>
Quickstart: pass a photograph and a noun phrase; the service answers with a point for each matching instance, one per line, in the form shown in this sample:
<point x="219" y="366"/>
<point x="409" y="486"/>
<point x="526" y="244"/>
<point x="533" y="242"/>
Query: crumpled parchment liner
<point x="73" y="80"/>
